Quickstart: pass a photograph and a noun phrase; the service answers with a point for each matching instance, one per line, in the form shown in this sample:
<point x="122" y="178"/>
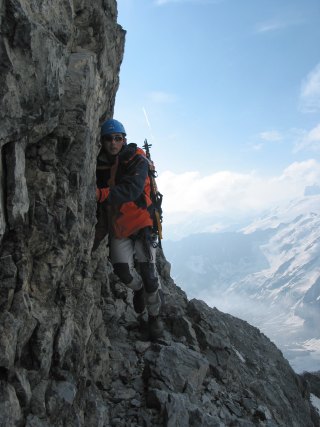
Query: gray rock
<point x="59" y="396"/>
<point x="38" y="403"/>
<point x="165" y="368"/>
<point x="2" y="199"/>
<point x="96" y="410"/>
<point x="19" y="379"/>
<point x="17" y="203"/>
<point x="8" y="339"/>
<point x="8" y="279"/>
<point x="176" y="411"/>
<point x="10" y="410"/>
<point x="34" y="421"/>
<point x="183" y="329"/>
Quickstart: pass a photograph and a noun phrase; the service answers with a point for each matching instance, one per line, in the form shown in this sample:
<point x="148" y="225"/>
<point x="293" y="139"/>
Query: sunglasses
<point x="110" y="138"/>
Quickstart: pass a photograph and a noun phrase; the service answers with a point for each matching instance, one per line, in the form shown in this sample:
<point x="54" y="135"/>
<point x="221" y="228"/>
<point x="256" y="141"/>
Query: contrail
<point x="148" y="122"/>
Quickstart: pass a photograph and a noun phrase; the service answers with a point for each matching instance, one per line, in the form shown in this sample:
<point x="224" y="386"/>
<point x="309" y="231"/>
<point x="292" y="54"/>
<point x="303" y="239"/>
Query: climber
<point x="125" y="210"/>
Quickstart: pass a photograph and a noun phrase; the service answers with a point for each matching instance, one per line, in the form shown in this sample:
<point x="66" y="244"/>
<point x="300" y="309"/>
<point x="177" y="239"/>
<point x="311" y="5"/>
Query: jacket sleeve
<point x="131" y="184"/>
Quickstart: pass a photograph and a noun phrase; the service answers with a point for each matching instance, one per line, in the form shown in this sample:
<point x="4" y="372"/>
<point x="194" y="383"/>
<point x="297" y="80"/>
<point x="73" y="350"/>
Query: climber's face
<point x="112" y="143"/>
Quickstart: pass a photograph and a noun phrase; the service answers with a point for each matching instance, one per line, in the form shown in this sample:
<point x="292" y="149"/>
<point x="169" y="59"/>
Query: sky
<point x="228" y="94"/>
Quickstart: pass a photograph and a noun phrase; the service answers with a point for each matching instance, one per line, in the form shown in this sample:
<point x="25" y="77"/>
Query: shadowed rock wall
<point x="72" y="350"/>
<point x="59" y="69"/>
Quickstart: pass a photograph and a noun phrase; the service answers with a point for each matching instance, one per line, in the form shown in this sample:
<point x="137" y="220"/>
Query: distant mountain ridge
<point x="267" y="273"/>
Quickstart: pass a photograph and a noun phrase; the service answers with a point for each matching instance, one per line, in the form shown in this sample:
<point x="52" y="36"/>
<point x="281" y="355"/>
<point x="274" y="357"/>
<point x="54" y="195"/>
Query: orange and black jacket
<point x="124" y="185"/>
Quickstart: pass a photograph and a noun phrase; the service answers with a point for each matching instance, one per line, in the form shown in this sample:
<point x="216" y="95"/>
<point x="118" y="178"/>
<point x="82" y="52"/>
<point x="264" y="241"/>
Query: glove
<point x="102" y="194"/>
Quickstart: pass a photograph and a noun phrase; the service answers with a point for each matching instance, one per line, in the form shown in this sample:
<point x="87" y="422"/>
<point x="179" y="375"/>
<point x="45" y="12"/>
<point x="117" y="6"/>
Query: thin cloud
<point x="272" y="136"/>
<point x="276" y="24"/>
<point x="165" y="2"/>
<point x="258" y="147"/>
<point x="264" y="138"/>
<point x="160" y="97"/>
<point x="310" y="141"/>
<point x="230" y="193"/>
<point x="310" y="91"/>
<point x="270" y="26"/>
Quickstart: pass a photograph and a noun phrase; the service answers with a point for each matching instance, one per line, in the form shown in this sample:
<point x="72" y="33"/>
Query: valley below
<point x="267" y="273"/>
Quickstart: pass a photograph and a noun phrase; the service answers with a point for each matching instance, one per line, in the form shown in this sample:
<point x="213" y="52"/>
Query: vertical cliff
<point x="60" y="62"/>
<point x="72" y="350"/>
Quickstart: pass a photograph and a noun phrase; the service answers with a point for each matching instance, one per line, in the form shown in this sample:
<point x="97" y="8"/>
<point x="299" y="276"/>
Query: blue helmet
<point x="112" y="126"/>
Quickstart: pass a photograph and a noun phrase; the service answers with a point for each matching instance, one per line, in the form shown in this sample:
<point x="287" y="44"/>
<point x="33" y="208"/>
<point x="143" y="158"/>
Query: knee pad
<point x="149" y="277"/>
<point x="121" y="269"/>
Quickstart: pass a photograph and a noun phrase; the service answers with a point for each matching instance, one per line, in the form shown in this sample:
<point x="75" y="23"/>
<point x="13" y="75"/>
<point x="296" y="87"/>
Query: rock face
<point x="72" y="350"/>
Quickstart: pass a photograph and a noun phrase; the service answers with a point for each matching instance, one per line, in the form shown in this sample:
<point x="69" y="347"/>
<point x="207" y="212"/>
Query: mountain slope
<point x="208" y="261"/>
<point x="267" y="273"/>
<point x="288" y="291"/>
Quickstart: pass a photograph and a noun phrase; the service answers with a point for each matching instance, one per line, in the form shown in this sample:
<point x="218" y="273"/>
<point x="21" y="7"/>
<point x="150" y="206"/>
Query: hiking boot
<point x="138" y="301"/>
<point x="155" y="328"/>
